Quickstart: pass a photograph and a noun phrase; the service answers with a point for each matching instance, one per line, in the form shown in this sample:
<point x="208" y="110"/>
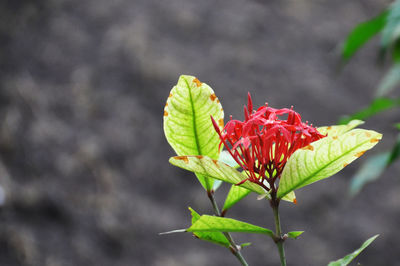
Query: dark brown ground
<point x="84" y="162"/>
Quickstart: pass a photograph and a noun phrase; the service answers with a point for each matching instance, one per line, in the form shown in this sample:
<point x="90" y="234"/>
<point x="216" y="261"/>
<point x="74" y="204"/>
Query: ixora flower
<point x="263" y="142"/>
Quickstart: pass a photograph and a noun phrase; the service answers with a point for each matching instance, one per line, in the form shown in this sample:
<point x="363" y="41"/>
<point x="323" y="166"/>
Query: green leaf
<point x="324" y="158"/>
<point x="377" y="106"/>
<point x="214" y="237"/>
<point x="371" y="169"/>
<point x="395" y="153"/>
<point x="397" y="126"/>
<point x="187" y="123"/>
<point x="391" y="31"/>
<point x="339" y="129"/>
<point x="208" y="167"/>
<point x="361" y="34"/>
<point x="208" y="223"/>
<point x="224" y="157"/>
<point x="294" y="234"/>
<point x="235" y="194"/>
<point x="346" y="260"/>
<point x="389" y="81"/>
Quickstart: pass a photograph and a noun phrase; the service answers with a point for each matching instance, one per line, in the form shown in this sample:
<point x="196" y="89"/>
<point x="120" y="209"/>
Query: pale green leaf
<point x="391" y="31"/>
<point x="337" y="130"/>
<point x="324" y="158"/>
<point x="347" y="259"/>
<point x="294" y="234"/>
<point x="235" y="194"/>
<point x="389" y="81"/>
<point x="208" y="223"/>
<point x="371" y="169"/>
<point x="227" y="158"/>
<point x="215" y="237"/>
<point x="208" y="167"/>
<point x="187" y="124"/>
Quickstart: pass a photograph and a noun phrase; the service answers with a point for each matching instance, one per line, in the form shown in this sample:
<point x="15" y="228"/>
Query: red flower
<point x="264" y="141"/>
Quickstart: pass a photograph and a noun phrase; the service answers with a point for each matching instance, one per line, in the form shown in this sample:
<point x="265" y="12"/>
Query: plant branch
<point x="233" y="247"/>
<point x="278" y="239"/>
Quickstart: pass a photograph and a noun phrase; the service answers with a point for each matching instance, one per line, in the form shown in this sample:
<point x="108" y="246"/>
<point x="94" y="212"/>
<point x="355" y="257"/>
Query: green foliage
<point x="294" y="234"/>
<point x="377" y="106"/>
<point x="324" y="158"/>
<point x="369" y="171"/>
<point x="391" y="31"/>
<point x="389" y="81"/>
<point x="347" y="259"/>
<point x="187" y="123"/>
<point x="235" y="194"/>
<point x="214" y="237"/>
<point x="373" y="168"/>
<point x="361" y="34"/>
<point x="207" y="223"/>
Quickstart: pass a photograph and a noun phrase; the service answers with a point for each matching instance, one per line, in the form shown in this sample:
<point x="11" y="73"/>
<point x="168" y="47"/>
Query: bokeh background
<point x="83" y="159"/>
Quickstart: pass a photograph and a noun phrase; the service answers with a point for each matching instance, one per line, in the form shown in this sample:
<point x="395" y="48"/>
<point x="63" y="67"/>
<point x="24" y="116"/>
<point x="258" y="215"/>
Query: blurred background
<point x="84" y="171"/>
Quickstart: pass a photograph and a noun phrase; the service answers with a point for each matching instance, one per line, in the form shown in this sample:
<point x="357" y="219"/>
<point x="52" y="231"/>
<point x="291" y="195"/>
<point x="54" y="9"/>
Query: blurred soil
<point x="83" y="160"/>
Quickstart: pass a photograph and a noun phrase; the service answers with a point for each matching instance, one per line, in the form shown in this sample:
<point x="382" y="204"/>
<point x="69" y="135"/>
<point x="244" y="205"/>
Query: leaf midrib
<point x="196" y="137"/>
<point x="315" y="173"/>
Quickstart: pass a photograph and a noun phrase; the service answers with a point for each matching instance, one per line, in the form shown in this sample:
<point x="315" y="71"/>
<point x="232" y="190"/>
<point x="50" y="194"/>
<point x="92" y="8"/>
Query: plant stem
<point x="278" y="235"/>
<point x="233" y="247"/>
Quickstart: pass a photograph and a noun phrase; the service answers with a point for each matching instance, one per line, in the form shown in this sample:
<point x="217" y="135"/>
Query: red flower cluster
<point x="263" y="142"/>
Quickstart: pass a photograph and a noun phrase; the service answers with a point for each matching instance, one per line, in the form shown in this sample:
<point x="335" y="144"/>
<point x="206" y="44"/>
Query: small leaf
<point x="369" y="171"/>
<point x="235" y="194"/>
<point x="389" y="81"/>
<point x="328" y="156"/>
<point x="215" y="237"/>
<point x="187" y="123"/>
<point x="346" y="260"/>
<point x="245" y="244"/>
<point x="377" y="106"/>
<point x="295" y="234"/>
<point x="208" y="223"/>
<point x="361" y="34"/>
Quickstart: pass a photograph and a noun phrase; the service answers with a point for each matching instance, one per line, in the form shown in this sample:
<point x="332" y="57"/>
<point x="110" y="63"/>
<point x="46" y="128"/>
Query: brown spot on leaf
<point x="335" y="137"/>
<point x="170" y="95"/>
<point x="353" y="134"/>
<point x="200" y="156"/>
<point x="345" y="164"/>
<point x="295" y="201"/>
<point x="359" y="154"/>
<point x="308" y="147"/>
<point x="367" y="134"/>
<point x="165" y="113"/>
<point x="221" y="122"/>
<point x="213" y="97"/>
<point x="374" y="140"/>
<point x="166" y="104"/>
<point x="329" y="128"/>
<point x="215" y="162"/>
<point x="198" y="82"/>
<point x="182" y="158"/>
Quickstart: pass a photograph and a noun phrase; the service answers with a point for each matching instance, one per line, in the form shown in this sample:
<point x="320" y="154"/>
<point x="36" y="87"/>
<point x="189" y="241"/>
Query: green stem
<point x="233" y="247"/>
<point x="278" y="235"/>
